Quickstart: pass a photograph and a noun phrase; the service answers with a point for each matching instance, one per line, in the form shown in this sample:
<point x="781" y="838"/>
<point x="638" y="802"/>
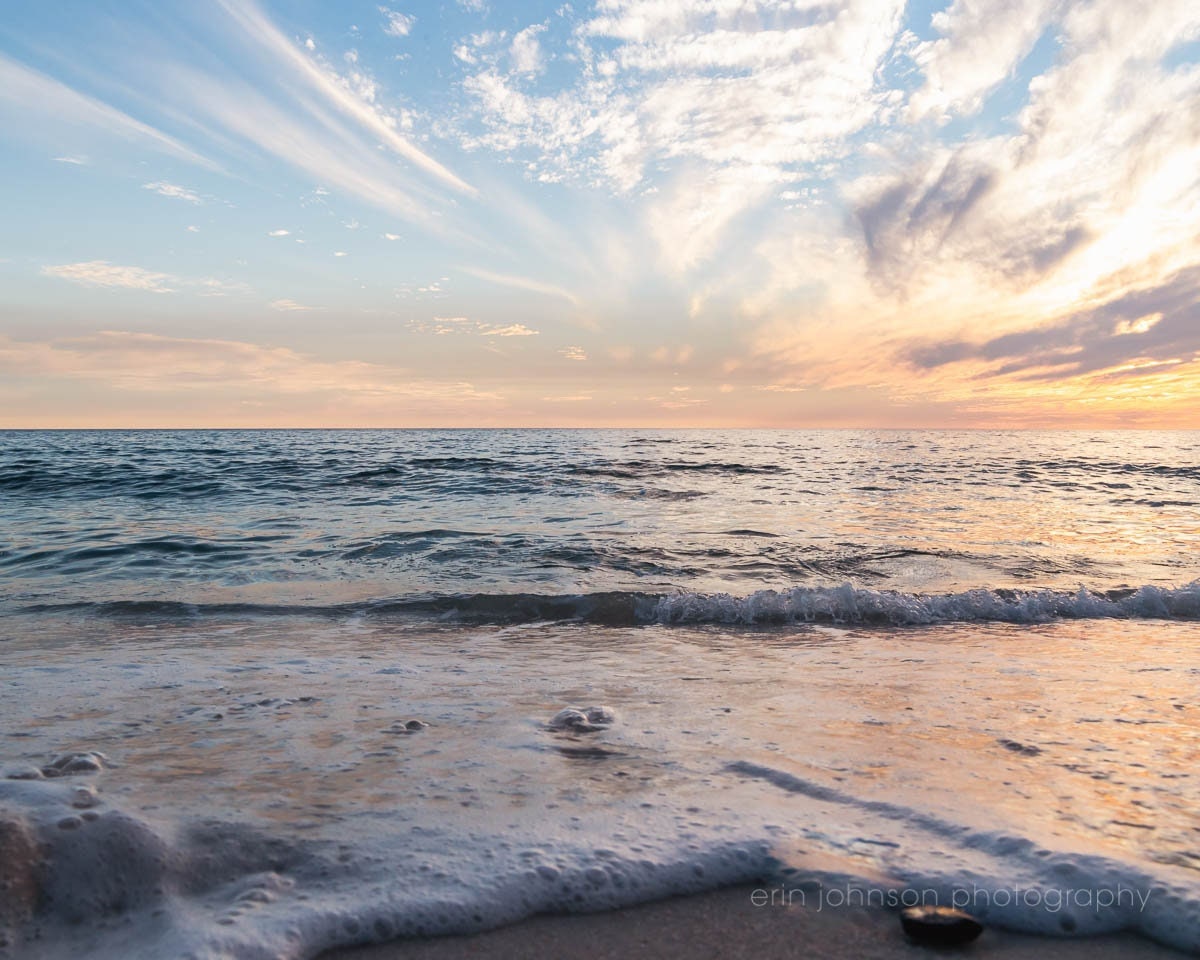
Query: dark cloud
<point x="913" y="221"/>
<point x="1040" y="254"/>
<point x="1092" y="340"/>
<point x="928" y="356"/>
<point x="909" y="219"/>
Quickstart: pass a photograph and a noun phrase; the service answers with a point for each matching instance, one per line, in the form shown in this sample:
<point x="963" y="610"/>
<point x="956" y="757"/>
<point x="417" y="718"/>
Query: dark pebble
<point x="940" y="926"/>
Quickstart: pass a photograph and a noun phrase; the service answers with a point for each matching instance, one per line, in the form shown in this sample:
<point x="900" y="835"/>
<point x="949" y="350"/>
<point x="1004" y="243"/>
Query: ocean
<point x="265" y="693"/>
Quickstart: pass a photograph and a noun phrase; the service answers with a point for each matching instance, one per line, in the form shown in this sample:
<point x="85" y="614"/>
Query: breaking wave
<point x="800" y="605"/>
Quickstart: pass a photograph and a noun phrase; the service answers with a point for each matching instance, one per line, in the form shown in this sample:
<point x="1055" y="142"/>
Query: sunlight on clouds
<point x="287" y="382"/>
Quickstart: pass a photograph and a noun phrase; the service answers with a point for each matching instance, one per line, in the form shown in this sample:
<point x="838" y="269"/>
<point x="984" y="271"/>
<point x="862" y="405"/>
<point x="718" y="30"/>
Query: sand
<point x="725" y="925"/>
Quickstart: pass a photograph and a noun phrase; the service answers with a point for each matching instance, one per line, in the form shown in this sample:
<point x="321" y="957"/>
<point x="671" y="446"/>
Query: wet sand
<point x="725" y="925"/>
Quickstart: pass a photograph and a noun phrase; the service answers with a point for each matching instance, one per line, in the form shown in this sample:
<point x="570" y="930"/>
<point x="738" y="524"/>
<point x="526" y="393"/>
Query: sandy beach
<point x="725" y="925"/>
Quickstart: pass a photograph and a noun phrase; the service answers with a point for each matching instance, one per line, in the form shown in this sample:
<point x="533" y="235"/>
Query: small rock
<point x="940" y="926"/>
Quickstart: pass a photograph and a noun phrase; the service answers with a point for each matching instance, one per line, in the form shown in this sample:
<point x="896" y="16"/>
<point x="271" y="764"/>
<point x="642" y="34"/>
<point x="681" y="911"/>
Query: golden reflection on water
<point x="1078" y="735"/>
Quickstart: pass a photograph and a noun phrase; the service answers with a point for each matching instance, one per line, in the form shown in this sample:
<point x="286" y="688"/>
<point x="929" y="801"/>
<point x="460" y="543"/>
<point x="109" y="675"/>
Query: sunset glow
<point x="658" y="213"/>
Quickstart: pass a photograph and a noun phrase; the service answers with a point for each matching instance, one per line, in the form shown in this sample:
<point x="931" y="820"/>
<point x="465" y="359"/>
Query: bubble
<point x="583" y="719"/>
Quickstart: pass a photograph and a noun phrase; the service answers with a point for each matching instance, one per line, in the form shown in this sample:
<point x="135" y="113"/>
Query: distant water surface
<point x="333" y="517"/>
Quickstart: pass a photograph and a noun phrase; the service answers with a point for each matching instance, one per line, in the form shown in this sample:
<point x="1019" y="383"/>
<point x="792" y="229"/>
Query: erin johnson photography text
<point x="970" y="898"/>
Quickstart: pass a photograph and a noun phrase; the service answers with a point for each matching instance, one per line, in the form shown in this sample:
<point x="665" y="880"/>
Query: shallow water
<point x="917" y="720"/>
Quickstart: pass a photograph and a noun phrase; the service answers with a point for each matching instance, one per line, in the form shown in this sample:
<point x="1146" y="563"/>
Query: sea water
<point x="265" y="693"/>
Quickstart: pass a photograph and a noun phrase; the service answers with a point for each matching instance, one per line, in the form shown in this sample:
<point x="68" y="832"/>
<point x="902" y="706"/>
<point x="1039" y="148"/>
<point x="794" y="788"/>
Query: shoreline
<point x="724" y="925"/>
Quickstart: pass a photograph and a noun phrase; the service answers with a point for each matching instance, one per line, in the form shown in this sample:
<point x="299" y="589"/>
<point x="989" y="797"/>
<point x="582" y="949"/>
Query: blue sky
<point x="672" y="212"/>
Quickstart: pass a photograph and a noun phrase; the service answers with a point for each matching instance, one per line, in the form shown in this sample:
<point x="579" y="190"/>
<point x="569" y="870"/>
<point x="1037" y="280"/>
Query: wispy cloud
<point x="165" y="189"/>
<point x="336" y="92"/>
<point x="141" y="363"/>
<point x="442" y="326"/>
<point x="279" y="233"/>
<point x="397" y="24"/>
<point x="511" y="330"/>
<point x="289" y="306"/>
<point x="523" y="283"/>
<point x="573" y="353"/>
<point x="101" y="273"/>
<point x="45" y="99"/>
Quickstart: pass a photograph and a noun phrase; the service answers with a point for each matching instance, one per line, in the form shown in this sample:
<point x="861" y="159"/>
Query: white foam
<point x="254" y="798"/>
<point x="131" y="889"/>
<point x="848" y="604"/>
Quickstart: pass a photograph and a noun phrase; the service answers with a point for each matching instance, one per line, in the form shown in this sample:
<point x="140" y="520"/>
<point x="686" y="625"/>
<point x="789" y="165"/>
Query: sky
<point x="806" y="213"/>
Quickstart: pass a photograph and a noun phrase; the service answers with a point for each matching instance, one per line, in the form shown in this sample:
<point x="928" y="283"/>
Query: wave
<point x="844" y="605"/>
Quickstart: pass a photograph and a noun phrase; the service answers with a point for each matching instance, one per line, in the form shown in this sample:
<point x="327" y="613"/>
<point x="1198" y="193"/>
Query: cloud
<point x="289" y="306"/>
<point x="979" y="46"/>
<point x="225" y="371"/>
<point x="526" y="52"/>
<point x="164" y="189"/>
<point x="730" y="97"/>
<point x="512" y="330"/>
<point x="334" y="91"/>
<point x="914" y="216"/>
<point x="77" y="161"/>
<point x="279" y="233"/>
<point x="573" y="353"/>
<point x="391" y="236"/>
<point x="44" y="100"/>
<point x="1134" y="334"/>
<point x="523" y="283"/>
<point x="1100" y="161"/>
<point x="746" y="84"/>
<point x="397" y="24"/>
<point x="101" y="273"/>
<point x="340" y="253"/>
<point x="441" y="326"/>
<point x="192" y="228"/>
